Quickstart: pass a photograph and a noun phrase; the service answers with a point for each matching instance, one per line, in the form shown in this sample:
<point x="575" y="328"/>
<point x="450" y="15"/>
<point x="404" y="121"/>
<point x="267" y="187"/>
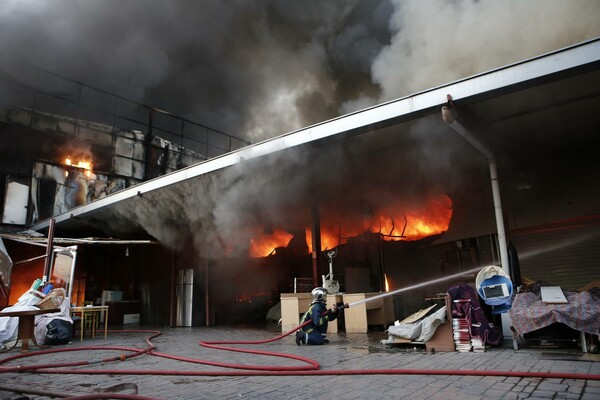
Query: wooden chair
<point x="90" y="320"/>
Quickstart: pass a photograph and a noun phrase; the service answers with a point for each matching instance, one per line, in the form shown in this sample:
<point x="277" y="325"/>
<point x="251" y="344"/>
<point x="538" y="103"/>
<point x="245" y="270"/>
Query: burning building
<point x="65" y="144"/>
<point x="398" y="194"/>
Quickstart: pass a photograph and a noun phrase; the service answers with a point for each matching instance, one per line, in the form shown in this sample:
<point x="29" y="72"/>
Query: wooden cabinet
<point x="293" y="305"/>
<point x="358" y="317"/>
<point x="118" y="309"/>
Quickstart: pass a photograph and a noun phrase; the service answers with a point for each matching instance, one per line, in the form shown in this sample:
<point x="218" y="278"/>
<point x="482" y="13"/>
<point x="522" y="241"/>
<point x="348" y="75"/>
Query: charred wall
<point x="46" y="152"/>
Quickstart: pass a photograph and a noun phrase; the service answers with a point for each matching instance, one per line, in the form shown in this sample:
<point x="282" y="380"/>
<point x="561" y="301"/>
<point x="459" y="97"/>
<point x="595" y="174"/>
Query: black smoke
<point x="260" y="68"/>
<point x="250" y="68"/>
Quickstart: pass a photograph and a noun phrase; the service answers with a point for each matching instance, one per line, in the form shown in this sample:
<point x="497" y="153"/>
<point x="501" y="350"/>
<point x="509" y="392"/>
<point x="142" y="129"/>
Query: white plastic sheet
<point x="420" y="331"/>
<point x="9" y="325"/>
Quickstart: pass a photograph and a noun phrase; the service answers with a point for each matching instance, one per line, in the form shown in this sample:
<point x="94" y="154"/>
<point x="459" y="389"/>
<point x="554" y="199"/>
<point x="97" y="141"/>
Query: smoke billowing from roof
<point x="438" y="41"/>
<point x="262" y="68"/>
<point x="220" y="212"/>
<point x="258" y="69"/>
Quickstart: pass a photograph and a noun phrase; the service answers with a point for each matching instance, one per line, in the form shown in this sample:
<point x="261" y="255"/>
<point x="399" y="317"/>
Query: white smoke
<point x="439" y="41"/>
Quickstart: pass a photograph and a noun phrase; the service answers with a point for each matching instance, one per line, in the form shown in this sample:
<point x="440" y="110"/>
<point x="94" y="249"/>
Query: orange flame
<point x="432" y="216"/>
<point x="85" y="165"/>
<point x="329" y="239"/>
<point x="262" y="245"/>
<point x="387" y="283"/>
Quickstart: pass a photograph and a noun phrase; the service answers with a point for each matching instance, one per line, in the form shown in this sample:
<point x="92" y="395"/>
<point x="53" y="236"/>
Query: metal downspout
<point x="450" y="120"/>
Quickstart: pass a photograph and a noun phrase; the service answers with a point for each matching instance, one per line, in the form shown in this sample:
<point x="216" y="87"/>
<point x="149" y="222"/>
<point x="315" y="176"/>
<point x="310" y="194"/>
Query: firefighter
<point x="319" y="315"/>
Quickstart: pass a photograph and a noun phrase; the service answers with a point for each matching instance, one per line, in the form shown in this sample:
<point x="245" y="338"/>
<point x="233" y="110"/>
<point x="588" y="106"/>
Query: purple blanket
<point x="530" y="313"/>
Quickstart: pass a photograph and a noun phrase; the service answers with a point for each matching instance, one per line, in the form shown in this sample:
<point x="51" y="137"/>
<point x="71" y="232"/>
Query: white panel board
<point x="15" y="204"/>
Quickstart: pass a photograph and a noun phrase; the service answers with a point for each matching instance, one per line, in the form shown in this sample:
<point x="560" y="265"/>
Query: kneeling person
<point x="319" y="316"/>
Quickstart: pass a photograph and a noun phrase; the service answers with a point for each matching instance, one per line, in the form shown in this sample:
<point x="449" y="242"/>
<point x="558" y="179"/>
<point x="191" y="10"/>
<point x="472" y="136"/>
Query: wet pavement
<point x="361" y="355"/>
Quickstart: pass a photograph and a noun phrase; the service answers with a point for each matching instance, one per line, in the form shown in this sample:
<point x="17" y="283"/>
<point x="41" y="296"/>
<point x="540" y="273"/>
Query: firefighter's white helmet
<point x="318" y="294"/>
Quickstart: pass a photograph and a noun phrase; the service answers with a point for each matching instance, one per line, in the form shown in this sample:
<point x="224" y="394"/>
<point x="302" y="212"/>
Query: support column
<point x="316" y="244"/>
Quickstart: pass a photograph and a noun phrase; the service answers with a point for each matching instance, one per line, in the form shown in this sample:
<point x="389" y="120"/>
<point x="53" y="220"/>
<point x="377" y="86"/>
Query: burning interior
<point x="396" y="194"/>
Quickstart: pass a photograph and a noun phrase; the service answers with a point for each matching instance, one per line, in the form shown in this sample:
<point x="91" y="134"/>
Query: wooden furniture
<point x="27" y="325"/>
<point x="293" y="305"/>
<point x="518" y="340"/>
<point x="119" y="309"/>
<point x="358" y="317"/>
<point x="443" y="338"/>
<point x="91" y="315"/>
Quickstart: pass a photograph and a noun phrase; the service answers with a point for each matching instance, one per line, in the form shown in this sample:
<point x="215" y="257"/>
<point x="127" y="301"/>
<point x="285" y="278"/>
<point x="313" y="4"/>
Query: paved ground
<point x="346" y="352"/>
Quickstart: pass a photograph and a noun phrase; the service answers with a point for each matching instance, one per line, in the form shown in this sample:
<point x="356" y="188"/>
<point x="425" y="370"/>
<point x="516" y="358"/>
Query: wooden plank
<point x="442" y="339"/>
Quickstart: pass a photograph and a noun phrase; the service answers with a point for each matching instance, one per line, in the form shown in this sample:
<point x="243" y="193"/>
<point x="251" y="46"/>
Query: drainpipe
<point x="450" y="120"/>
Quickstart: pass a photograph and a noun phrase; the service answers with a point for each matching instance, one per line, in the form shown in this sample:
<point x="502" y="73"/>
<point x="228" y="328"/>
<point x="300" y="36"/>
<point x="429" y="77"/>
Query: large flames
<point x="81" y="164"/>
<point x="265" y="243"/>
<point x="430" y="217"/>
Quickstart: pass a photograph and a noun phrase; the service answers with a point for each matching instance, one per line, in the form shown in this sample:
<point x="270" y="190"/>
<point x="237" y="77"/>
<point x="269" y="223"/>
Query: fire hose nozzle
<point x="341" y="304"/>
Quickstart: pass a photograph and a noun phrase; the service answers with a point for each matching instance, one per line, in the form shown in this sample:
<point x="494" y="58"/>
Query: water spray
<point x="416" y="286"/>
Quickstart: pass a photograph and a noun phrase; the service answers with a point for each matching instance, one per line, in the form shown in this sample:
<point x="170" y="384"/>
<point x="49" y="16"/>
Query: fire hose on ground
<point x="309" y="366"/>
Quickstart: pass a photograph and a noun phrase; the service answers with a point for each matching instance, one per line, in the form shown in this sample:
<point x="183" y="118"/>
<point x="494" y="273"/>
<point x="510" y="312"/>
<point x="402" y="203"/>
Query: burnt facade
<point x="537" y="117"/>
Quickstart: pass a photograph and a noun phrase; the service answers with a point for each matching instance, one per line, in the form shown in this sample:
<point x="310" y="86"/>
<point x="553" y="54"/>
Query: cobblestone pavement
<point x="344" y="352"/>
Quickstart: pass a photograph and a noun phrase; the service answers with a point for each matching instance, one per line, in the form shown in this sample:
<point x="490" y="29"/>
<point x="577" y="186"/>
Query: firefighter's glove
<point x="340" y="309"/>
<point x="332" y="313"/>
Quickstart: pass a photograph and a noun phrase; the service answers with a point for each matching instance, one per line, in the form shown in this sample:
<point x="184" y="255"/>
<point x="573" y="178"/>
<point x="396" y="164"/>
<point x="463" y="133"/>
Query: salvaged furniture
<point x="293" y="305"/>
<point x="530" y="313"/>
<point x="90" y="315"/>
<point x="358" y="317"/>
<point x="431" y="327"/>
<point x="121" y="311"/>
<point x="442" y="339"/>
<point x="27" y="325"/>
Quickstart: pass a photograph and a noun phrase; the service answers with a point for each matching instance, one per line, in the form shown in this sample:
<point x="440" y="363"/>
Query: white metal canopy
<point x="565" y="82"/>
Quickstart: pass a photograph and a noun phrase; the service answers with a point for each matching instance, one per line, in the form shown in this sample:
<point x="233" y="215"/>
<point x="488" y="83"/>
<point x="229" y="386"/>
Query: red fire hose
<point x="311" y="367"/>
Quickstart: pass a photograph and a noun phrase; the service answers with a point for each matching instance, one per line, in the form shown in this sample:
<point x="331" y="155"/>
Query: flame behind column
<point x="432" y="216"/>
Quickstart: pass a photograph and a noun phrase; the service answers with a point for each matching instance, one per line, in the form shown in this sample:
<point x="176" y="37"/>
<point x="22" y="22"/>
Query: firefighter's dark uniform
<point x="314" y="332"/>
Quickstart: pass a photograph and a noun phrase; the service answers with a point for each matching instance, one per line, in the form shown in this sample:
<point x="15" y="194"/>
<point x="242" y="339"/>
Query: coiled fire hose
<point x="312" y="367"/>
<point x="307" y="368"/>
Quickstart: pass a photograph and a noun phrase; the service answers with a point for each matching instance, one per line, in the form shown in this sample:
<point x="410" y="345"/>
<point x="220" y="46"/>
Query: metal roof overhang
<point x="566" y="81"/>
<point x="43" y="241"/>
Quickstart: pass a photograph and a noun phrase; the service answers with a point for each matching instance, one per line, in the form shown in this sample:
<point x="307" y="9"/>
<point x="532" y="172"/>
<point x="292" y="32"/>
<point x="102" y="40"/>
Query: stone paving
<point x="345" y="352"/>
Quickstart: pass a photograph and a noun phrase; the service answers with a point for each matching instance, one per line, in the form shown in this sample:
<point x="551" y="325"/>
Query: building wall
<point x="39" y="144"/>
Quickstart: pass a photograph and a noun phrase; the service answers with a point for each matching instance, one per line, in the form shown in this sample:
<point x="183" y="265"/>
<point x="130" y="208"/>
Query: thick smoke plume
<point x="257" y="69"/>
<point x="438" y="41"/>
